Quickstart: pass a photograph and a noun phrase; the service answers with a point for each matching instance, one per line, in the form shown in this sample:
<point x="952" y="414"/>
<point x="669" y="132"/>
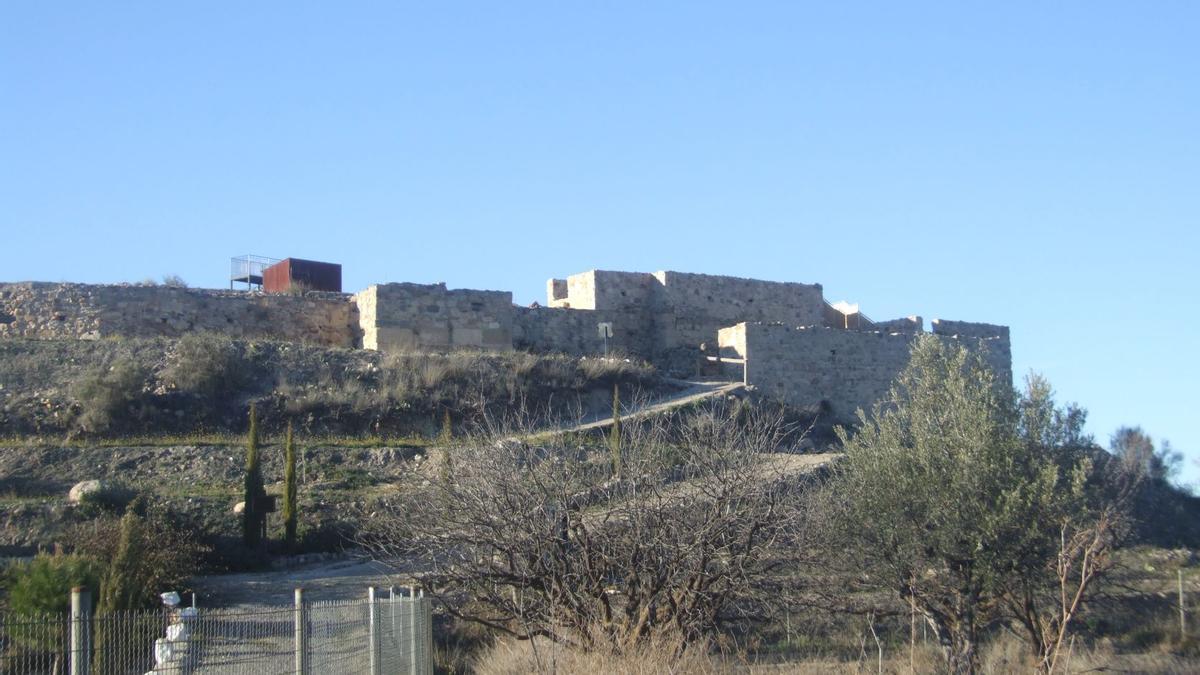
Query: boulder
<point x="239" y="508"/>
<point x="84" y="488"/>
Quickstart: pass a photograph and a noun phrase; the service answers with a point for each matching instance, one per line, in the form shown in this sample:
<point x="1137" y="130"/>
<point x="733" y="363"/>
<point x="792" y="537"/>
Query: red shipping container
<point x="297" y="274"/>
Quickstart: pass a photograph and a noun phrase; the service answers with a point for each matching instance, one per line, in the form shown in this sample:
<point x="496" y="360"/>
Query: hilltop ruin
<point x="783" y="338"/>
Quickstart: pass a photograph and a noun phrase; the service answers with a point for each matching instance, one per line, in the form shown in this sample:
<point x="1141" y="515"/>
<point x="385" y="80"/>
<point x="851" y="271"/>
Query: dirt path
<point x="694" y="391"/>
<point x="344" y="579"/>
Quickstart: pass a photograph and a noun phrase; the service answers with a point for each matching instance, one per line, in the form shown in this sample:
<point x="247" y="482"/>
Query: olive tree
<point x="975" y="504"/>
<point x="540" y="539"/>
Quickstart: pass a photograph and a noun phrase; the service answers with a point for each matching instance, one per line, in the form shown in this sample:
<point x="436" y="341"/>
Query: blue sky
<point x="1032" y="164"/>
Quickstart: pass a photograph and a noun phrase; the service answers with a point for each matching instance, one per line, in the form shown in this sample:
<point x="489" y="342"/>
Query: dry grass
<point x="203" y="383"/>
<point x="513" y="657"/>
<point x="1003" y="655"/>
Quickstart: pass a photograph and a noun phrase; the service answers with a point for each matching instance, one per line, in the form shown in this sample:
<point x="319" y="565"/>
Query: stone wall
<point x="88" y="311"/>
<point x="999" y="353"/>
<point x="908" y="324"/>
<point x="846" y="369"/>
<point x="604" y="290"/>
<point x="576" y="331"/>
<point x="691" y="308"/>
<point x="405" y="317"/>
<point x="683" y="310"/>
<point x="662" y="317"/>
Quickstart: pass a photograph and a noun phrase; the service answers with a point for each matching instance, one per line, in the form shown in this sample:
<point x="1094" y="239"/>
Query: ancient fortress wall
<point x="691" y="308"/>
<point x="576" y="331"/>
<point x="87" y="311"/>
<point x="836" y="355"/>
<point x="407" y="317"/>
<point x="996" y="338"/>
<point x="602" y="290"/>
<point x="908" y="324"/>
<point x="847" y="369"/>
<point x="683" y="310"/>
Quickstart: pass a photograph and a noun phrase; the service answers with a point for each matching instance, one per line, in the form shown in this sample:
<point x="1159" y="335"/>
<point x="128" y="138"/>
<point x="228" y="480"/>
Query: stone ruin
<point x="783" y="338"/>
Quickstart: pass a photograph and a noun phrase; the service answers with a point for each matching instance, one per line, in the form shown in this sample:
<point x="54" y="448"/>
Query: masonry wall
<point x="603" y="290"/>
<point x="405" y="317"/>
<point x="576" y="331"/>
<point x="691" y="308"/>
<point x="999" y="352"/>
<point x="908" y="324"/>
<point x="88" y="311"/>
<point x="847" y="369"/>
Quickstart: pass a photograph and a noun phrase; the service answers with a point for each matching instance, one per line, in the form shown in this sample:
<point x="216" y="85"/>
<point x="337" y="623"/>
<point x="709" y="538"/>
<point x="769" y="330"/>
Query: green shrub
<point x="43" y="585"/>
<point x="162" y="549"/>
<point x="111" y="395"/>
<point x="207" y="365"/>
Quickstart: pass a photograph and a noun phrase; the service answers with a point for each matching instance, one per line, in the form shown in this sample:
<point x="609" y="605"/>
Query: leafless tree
<point x="701" y="529"/>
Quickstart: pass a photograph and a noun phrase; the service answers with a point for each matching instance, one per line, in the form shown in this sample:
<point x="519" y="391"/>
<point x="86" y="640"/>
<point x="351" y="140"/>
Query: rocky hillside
<point x="202" y="483"/>
<point x="204" y="384"/>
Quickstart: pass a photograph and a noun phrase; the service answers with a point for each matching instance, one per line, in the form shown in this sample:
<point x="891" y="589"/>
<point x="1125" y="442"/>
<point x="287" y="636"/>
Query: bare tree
<point x="701" y="529"/>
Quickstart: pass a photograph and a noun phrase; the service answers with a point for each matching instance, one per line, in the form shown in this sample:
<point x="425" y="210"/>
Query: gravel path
<point x="344" y="579"/>
<point x="694" y="391"/>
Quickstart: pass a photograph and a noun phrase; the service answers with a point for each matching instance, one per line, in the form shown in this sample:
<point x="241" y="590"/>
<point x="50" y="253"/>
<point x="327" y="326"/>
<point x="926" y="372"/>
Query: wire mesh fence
<point x="388" y="633"/>
<point x="33" y="643"/>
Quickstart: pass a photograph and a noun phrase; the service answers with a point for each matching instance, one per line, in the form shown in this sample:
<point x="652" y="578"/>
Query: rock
<point x="239" y="508"/>
<point x="84" y="488"/>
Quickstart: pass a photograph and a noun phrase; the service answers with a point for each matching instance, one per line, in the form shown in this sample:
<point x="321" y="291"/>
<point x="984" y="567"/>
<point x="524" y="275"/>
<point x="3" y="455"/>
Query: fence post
<point x="81" y="633"/>
<point x="301" y="633"/>
<point x="373" y="636"/>
<point x="1182" y="615"/>
<point x="414" y="634"/>
<point x="392" y="644"/>
<point x="427" y="634"/>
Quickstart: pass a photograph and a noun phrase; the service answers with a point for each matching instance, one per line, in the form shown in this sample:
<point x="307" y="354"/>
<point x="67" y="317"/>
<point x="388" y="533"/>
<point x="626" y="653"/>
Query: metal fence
<point x="382" y="633"/>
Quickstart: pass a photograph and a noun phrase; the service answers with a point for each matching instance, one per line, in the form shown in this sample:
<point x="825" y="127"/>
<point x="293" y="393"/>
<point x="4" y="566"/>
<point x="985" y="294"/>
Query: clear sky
<point x="1032" y="164"/>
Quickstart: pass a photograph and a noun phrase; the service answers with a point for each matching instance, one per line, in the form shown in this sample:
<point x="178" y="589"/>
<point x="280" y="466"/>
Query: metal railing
<point x="248" y="270"/>
<point x="382" y="633"/>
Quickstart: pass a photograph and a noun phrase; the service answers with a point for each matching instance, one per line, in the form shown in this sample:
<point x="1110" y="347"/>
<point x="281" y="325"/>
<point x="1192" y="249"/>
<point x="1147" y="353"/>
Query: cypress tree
<point x="614" y="434"/>
<point x="121" y="588"/>
<point x="290" y="511"/>
<point x="254" y="492"/>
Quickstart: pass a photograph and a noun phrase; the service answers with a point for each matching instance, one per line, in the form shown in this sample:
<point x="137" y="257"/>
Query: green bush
<point x="109" y="395"/>
<point x="43" y="585"/>
<point x="166" y="549"/>
<point x="207" y="365"/>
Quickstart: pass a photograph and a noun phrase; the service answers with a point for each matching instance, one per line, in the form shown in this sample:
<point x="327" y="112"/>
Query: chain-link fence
<point x="382" y="633"/>
<point x="33" y="643"/>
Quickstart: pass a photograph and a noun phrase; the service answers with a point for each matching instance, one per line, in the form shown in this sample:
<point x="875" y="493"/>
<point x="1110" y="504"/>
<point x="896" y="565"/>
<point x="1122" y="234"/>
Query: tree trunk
<point x="960" y="654"/>
<point x="958" y="645"/>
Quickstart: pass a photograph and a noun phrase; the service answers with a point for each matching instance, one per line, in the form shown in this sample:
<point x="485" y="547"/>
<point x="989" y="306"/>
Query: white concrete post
<point x="301" y="633"/>
<point x="81" y="631"/>
<point x="414" y="633"/>
<point x="373" y="639"/>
